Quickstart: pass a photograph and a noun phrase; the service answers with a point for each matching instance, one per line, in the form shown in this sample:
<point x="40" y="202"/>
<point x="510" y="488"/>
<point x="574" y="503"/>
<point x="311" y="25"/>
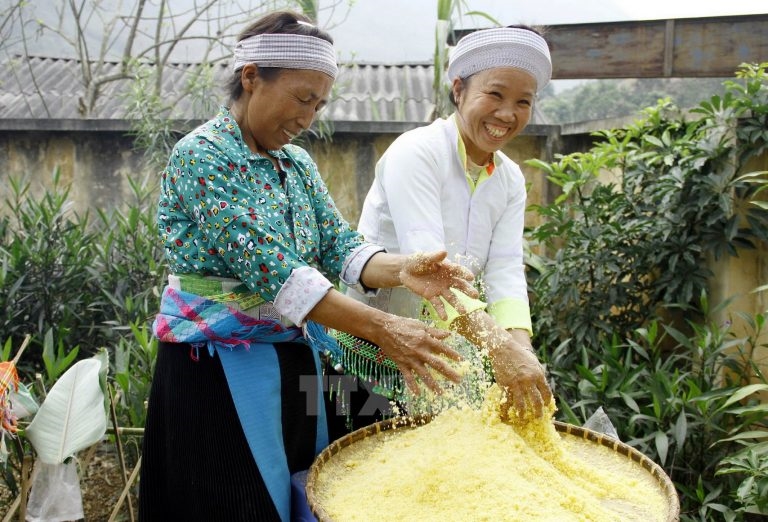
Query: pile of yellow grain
<point x="468" y="465"/>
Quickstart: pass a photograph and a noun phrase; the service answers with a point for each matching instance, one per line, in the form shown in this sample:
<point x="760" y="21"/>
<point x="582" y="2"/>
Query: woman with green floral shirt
<point x="253" y="239"/>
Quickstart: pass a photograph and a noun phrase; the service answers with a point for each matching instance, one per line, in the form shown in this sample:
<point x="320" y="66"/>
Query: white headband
<point x="501" y="47"/>
<point x="287" y="51"/>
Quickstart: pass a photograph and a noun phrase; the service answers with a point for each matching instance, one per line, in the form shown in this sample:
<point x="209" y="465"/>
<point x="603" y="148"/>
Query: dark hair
<point x="466" y="80"/>
<point x="283" y="22"/>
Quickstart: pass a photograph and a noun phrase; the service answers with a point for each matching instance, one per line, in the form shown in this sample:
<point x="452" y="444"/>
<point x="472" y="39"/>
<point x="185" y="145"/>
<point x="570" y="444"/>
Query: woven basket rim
<point x="616" y="445"/>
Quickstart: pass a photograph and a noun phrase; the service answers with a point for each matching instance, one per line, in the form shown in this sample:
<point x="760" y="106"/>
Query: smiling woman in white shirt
<point x="448" y="186"/>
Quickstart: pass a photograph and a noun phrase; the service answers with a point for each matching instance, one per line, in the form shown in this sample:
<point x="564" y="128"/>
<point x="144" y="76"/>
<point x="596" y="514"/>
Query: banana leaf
<point x="73" y="415"/>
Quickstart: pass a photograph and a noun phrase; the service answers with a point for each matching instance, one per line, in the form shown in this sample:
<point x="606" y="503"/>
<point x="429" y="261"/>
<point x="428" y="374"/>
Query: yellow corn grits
<point x="468" y="465"/>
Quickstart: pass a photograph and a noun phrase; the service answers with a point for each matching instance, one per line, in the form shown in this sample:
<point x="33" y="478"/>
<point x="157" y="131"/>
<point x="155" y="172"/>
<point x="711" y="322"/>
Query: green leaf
<point x="654" y="140"/>
<point x="681" y="429"/>
<point x="629" y="401"/>
<point x="751" y="410"/>
<point x="483" y="14"/>
<point x="662" y="445"/>
<point x="744" y="392"/>
<point x="746" y="435"/>
<point x="24" y="404"/>
<point x="72" y="417"/>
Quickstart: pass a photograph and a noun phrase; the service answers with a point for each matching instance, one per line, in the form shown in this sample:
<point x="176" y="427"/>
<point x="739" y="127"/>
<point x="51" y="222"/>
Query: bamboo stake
<point x="120" y="453"/>
<point x="26" y="484"/>
<point x="125" y="431"/>
<point x="125" y="492"/>
<point x="21" y="350"/>
<point x="17" y="503"/>
<point x="12" y="511"/>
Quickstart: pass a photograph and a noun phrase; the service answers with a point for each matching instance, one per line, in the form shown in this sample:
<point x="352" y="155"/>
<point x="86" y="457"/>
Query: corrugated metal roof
<point x="52" y="88"/>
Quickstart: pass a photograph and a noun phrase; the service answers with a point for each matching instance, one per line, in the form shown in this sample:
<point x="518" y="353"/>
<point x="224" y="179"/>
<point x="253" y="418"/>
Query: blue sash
<point x="254" y="381"/>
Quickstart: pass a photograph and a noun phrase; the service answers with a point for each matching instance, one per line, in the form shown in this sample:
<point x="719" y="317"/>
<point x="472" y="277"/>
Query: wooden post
<point x="26" y="484"/>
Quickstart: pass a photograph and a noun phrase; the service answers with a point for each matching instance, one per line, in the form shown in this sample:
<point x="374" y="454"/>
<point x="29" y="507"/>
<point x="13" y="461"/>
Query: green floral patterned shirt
<point x="224" y="211"/>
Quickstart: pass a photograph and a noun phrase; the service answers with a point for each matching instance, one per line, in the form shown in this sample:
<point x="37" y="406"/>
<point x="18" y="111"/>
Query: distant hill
<point x="599" y="99"/>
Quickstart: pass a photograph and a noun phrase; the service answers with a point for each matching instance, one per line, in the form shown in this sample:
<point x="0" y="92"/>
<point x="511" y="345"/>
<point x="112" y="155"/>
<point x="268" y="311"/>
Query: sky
<point x="402" y="31"/>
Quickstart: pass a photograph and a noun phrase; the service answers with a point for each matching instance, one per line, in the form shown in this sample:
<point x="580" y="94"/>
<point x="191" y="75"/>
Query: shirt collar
<point x="462" y="152"/>
<point x="474" y="178"/>
<point x="225" y="113"/>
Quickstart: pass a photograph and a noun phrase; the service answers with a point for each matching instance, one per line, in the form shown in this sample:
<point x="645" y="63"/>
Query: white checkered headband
<point x="501" y="47"/>
<point x="287" y="51"/>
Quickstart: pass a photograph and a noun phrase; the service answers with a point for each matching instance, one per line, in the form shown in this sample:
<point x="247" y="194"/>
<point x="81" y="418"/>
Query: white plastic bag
<point x="55" y="494"/>
<point x="600" y="423"/>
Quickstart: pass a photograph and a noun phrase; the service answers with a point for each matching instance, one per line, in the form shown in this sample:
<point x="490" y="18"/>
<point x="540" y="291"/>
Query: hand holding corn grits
<point x="419" y="353"/>
<point x="432" y="277"/>
<point x="526" y="393"/>
<point x="516" y="369"/>
<point x="417" y="349"/>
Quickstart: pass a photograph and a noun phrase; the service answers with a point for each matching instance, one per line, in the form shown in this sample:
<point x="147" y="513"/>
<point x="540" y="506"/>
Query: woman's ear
<point x="456" y="88"/>
<point x="249" y="75"/>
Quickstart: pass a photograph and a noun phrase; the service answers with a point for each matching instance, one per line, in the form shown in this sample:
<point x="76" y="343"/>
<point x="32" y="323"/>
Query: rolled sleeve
<point x="353" y="267"/>
<point x="303" y="289"/>
<point x="512" y="313"/>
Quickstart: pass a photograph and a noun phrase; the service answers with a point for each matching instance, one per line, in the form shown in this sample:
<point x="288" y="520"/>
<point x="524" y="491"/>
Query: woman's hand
<point x="521" y="378"/>
<point x="432" y="277"/>
<point x="516" y="369"/>
<point x="418" y="351"/>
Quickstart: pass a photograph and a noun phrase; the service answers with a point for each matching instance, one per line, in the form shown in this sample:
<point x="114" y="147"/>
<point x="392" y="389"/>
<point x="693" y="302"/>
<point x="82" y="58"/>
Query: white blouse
<point x="420" y="200"/>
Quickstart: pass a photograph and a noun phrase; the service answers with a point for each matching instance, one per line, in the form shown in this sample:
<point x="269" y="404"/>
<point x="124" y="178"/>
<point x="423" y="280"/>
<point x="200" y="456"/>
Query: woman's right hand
<point x="419" y="351"/>
<point x="428" y="275"/>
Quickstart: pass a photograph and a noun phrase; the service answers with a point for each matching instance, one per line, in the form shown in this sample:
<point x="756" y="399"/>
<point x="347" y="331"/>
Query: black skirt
<point x="196" y="464"/>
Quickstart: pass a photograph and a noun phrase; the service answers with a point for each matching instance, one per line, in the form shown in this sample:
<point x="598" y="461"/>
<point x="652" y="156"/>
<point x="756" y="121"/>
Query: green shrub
<point x="619" y="278"/>
<point x="74" y="283"/>
<point x="625" y="252"/>
<point x="688" y="408"/>
<point x="77" y="284"/>
<point x="45" y="284"/>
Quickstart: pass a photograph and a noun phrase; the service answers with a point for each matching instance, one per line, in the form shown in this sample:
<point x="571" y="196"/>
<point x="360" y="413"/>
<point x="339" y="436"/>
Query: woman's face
<point x="279" y="109"/>
<point x="494" y="106"/>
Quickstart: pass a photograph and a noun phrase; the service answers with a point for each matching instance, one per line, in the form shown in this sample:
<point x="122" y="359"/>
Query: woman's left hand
<point x="432" y="277"/>
<point x="521" y="377"/>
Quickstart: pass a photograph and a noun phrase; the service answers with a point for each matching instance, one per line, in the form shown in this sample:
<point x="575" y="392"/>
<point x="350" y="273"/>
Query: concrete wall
<point x="98" y="160"/>
<point x="97" y="164"/>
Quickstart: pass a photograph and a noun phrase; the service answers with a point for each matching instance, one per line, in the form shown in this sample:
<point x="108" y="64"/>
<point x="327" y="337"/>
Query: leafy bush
<point x="628" y="251"/>
<point x="619" y="278"/>
<point x="75" y="283"/>
<point x="687" y="408"/>
<point x="45" y="284"/>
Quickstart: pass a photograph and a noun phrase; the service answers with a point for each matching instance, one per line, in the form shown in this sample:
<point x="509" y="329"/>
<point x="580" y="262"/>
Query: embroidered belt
<point x="233" y="292"/>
